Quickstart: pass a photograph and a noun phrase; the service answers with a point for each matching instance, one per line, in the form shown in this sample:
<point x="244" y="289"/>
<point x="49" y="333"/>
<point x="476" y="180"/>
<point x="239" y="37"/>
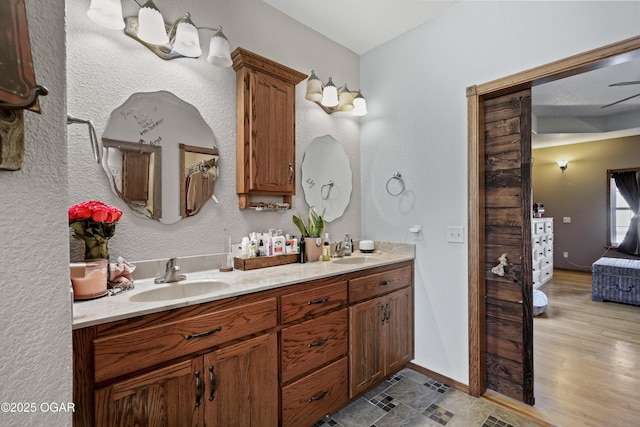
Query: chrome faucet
<point x="339" y="251"/>
<point x="171" y="273"/>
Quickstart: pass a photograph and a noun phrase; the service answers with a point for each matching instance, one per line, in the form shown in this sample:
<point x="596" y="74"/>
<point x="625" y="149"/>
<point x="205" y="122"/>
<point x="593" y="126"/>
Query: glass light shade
<point x="314" y="88"/>
<point x="563" y="164"/>
<point x="151" y="27"/>
<point x="359" y="105"/>
<point x="329" y="94"/>
<point x="345" y="99"/>
<point x="219" y="52"/>
<point x="187" y="41"/>
<point x="106" y="13"/>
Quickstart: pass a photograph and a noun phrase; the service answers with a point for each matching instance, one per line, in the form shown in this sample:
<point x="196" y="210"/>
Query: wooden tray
<point x="265" y="261"/>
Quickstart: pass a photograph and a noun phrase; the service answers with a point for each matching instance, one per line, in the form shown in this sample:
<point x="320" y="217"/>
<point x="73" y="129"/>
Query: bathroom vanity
<point x="282" y="346"/>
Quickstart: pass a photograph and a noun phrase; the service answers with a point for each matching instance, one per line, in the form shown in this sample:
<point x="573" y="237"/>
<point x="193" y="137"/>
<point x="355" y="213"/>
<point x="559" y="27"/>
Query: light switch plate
<point x="455" y="234"/>
<point x="566" y="219"/>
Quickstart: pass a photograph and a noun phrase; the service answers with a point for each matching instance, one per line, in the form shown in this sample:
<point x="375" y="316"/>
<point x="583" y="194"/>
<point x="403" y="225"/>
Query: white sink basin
<point x="179" y="290"/>
<point x="354" y="260"/>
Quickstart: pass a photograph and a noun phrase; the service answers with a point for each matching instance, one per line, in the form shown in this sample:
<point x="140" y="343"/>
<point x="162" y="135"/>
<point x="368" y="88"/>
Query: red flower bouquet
<point x="95" y="223"/>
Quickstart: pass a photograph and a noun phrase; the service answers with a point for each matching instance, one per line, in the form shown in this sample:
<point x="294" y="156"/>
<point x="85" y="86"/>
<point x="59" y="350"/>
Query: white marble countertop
<point x="120" y="306"/>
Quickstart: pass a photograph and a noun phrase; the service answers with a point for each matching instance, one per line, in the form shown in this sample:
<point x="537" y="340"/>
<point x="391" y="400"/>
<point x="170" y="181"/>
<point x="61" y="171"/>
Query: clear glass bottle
<point x="326" y="248"/>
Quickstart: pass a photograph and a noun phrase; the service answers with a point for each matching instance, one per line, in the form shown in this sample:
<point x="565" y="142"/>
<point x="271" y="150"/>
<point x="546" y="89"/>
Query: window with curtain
<point x="623" y="204"/>
<point x="619" y="215"/>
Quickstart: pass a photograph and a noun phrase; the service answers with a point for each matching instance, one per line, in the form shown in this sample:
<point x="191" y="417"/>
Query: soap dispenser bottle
<point x="326" y="248"/>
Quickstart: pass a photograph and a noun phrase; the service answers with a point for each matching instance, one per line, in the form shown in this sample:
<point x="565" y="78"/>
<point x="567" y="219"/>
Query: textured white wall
<point x="105" y="67"/>
<point x="35" y="325"/>
<point x="417" y="124"/>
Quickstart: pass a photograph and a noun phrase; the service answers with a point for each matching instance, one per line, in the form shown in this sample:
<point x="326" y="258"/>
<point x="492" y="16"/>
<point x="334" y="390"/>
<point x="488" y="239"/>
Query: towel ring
<point x="330" y="185"/>
<point x="396" y="176"/>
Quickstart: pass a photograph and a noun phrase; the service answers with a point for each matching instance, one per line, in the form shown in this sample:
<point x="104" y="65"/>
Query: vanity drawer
<point x="128" y="352"/>
<point x="310" y="344"/>
<point x="311" y="302"/>
<point x="378" y="284"/>
<point x="316" y="395"/>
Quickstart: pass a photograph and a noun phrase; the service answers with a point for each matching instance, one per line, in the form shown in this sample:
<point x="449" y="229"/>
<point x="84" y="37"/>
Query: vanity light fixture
<point x="563" y="164"/>
<point x="332" y="99"/>
<point x="167" y="41"/>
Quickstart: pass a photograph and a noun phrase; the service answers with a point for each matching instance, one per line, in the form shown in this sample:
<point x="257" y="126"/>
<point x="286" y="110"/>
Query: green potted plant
<point x="311" y="231"/>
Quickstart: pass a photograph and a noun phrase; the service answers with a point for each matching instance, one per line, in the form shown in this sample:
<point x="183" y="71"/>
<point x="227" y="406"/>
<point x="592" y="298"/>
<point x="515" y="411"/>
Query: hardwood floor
<point x="586" y="358"/>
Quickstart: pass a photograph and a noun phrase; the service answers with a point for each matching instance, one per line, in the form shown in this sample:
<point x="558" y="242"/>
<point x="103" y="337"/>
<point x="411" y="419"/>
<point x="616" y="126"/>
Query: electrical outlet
<point x="565" y="254"/>
<point x="455" y="234"/>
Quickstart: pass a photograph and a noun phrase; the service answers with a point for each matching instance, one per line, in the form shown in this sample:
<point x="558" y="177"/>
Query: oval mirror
<point x="327" y="177"/>
<point x="160" y="156"/>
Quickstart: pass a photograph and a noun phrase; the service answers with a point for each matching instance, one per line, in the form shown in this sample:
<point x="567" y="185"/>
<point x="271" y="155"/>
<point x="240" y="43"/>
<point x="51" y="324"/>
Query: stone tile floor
<point x="410" y="399"/>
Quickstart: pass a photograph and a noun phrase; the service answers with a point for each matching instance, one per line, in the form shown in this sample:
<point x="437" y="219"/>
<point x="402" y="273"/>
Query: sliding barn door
<point x="509" y="318"/>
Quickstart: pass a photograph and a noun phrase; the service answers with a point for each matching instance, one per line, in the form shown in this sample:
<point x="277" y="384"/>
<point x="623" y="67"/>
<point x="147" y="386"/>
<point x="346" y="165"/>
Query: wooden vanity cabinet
<point x="265" y="140"/>
<point x="281" y="357"/>
<point x="314" y="345"/>
<point x="213" y="364"/>
<point x="380" y="326"/>
<point x="232" y="386"/>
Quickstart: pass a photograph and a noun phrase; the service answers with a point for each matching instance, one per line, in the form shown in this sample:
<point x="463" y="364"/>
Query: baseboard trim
<point x="436" y="376"/>
<point x="522" y="409"/>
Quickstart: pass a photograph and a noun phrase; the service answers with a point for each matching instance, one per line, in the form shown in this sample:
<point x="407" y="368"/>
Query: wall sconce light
<point x="332" y="99"/>
<point x="563" y="164"/>
<point x="167" y="41"/>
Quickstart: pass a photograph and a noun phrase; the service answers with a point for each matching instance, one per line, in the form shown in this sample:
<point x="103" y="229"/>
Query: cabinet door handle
<point x="212" y="383"/>
<point x="198" y="388"/>
<point x="203" y="334"/>
<point x="384" y="283"/>
<point x="318" y="343"/>
<point x="318" y="301"/>
<point x="320" y="396"/>
<point x="388" y="313"/>
<point x="290" y="173"/>
<point x="384" y="314"/>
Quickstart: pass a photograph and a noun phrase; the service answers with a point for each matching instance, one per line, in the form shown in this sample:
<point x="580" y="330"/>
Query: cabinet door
<point x="242" y="384"/>
<point x="169" y="396"/>
<point x="365" y="334"/>
<point x="272" y="147"/>
<point x="398" y="330"/>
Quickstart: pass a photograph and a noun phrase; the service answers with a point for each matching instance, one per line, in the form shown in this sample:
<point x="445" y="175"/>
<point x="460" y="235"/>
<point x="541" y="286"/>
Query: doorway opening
<point x="476" y="96"/>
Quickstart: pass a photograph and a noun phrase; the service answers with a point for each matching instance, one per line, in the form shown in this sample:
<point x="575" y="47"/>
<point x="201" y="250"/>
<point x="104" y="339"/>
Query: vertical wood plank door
<point x="508" y="298"/>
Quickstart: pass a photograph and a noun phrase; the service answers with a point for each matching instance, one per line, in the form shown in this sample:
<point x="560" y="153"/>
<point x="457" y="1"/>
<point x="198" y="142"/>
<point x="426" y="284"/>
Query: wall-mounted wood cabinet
<point x="265" y="140"/>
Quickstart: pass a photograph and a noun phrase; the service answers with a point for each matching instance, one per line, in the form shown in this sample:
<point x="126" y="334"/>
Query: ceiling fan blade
<point x="622" y="100"/>
<point x="625" y="83"/>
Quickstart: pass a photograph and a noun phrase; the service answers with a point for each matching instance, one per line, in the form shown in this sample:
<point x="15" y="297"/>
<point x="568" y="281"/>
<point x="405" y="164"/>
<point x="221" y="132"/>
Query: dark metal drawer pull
<point x="318" y="397"/>
<point x="198" y="388"/>
<point x="318" y="301"/>
<point x="318" y="343"/>
<point x="212" y="383"/>
<point x="203" y="334"/>
<point x="384" y="283"/>
<point x="388" y="313"/>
